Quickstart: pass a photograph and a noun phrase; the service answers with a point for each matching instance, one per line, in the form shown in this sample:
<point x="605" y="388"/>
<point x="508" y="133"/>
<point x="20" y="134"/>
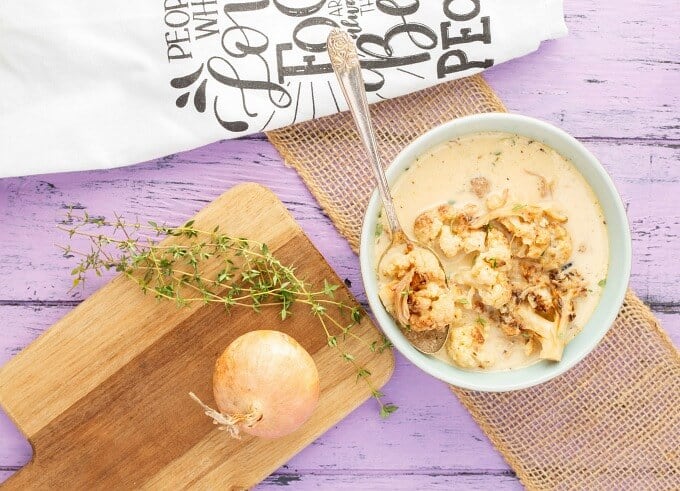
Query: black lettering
<point x="299" y="11"/>
<point x="465" y="36"/>
<point x="239" y="49"/>
<point x="337" y="5"/>
<point x="463" y="64"/>
<point x="390" y="7"/>
<point x="206" y="18"/>
<point x="203" y="4"/>
<point x="246" y="6"/>
<point x="237" y="82"/>
<point x="186" y="80"/>
<point x="208" y="28"/>
<point x="310" y="68"/>
<point x="350" y="23"/>
<point x="234" y="126"/>
<point x="384" y="43"/>
<point x="174" y="4"/>
<point x="458" y="16"/>
<point x="177" y="18"/>
<point x="312" y="47"/>
<point x="351" y="26"/>
<point x="175" y="49"/>
<point x="177" y="39"/>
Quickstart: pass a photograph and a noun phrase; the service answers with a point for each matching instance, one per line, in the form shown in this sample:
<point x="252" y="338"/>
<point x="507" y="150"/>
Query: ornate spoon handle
<point x="345" y="63"/>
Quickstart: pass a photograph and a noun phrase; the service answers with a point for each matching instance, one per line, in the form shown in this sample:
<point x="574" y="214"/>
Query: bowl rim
<point x="500" y="381"/>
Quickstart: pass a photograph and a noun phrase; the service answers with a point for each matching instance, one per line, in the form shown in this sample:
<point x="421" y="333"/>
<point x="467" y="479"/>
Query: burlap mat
<point x="613" y="421"/>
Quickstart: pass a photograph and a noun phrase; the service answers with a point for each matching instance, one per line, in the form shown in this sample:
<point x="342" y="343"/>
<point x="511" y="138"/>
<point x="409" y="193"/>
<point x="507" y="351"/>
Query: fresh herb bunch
<point x="250" y="276"/>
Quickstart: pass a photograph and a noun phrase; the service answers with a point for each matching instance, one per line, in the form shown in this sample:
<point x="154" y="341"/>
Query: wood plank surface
<point x="612" y="83"/>
<point x="102" y="395"/>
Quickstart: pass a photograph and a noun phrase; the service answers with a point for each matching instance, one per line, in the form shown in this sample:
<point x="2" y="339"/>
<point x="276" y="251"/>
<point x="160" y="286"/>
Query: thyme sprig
<point x="248" y="275"/>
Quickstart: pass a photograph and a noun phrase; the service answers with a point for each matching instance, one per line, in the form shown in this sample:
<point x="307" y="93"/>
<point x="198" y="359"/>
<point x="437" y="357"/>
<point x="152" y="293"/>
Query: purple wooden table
<point x="613" y="83"/>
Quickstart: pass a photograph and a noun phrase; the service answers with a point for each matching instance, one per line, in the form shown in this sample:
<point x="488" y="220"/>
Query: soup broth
<point x="469" y="192"/>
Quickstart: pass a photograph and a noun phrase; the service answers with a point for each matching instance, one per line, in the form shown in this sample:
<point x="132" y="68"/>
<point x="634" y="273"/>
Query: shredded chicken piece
<point x="495" y="201"/>
<point x="516" y="210"/>
<point x="544" y="187"/>
<point x="400" y="295"/>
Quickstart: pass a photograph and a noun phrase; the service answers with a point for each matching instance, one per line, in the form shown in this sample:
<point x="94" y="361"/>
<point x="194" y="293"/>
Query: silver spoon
<point x="346" y="66"/>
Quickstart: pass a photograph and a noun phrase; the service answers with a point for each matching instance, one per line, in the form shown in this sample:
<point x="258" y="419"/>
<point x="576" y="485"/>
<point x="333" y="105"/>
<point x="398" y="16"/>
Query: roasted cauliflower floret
<point x="474" y="241"/>
<point x="496" y="295"/>
<point x="432" y="307"/>
<point x="449" y="243"/>
<point x="530" y="238"/>
<point x="450" y="230"/>
<point x="427" y="226"/>
<point x="549" y="308"/>
<point x="559" y="250"/>
<point x="497" y="254"/>
<point x="416" y="293"/>
<point x="550" y="333"/>
<point x="402" y="258"/>
<point x="491" y="285"/>
<point x="570" y="285"/>
<point x="488" y="273"/>
<point x="452" y="244"/>
<point x="465" y="345"/>
<point x="537" y="233"/>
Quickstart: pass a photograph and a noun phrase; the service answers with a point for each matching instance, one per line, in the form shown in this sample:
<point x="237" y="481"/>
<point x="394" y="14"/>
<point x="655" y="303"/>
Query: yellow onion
<point x="265" y="384"/>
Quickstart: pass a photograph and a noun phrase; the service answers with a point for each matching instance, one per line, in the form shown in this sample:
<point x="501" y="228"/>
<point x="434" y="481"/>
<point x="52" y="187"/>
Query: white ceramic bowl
<point x="619" y="253"/>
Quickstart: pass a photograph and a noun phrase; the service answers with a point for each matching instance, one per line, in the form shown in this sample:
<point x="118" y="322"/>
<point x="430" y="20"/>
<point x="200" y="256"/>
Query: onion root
<point x="226" y="422"/>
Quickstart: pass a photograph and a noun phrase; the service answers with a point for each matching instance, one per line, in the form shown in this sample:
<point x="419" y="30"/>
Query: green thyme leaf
<point x="387" y="409"/>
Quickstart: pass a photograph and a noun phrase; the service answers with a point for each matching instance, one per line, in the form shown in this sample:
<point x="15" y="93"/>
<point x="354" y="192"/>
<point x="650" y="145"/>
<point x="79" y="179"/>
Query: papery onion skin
<point x="267" y="373"/>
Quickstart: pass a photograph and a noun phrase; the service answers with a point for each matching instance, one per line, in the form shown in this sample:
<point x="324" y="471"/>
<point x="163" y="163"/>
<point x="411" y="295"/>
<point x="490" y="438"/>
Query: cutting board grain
<point x="102" y="395"/>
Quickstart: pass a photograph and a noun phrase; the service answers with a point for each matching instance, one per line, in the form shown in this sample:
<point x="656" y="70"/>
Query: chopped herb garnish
<point x="481" y="321"/>
<point x="378" y="229"/>
<point x="451" y="201"/>
<point x="518" y="206"/>
<point x="602" y="283"/>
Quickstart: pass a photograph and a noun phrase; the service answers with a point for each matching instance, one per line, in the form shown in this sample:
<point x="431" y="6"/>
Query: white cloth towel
<point x="91" y="85"/>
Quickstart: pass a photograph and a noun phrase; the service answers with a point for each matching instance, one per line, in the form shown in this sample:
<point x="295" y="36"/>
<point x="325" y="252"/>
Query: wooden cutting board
<point x="102" y="395"/>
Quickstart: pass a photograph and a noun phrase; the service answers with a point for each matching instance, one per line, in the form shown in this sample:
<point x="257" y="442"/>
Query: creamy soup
<point x="523" y="241"/>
